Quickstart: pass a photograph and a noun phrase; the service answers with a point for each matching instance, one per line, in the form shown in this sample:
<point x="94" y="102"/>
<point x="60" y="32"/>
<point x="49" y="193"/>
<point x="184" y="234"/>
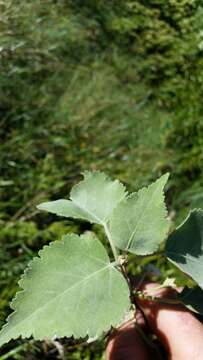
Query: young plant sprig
<point x="73" y="288"/>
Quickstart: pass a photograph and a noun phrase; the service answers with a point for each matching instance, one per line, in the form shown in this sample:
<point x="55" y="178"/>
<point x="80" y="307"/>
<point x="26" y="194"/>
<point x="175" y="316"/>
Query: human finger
<point x="176" y="327"/>
<point x="127" y="343"/>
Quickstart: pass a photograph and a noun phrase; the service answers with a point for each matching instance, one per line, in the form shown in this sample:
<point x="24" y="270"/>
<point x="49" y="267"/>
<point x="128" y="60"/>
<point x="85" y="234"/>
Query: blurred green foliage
<point x="109" y="85"/>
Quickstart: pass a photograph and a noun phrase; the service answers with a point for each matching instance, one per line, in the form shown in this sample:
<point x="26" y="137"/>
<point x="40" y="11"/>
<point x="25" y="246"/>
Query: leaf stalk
<point x="108" y="235"/>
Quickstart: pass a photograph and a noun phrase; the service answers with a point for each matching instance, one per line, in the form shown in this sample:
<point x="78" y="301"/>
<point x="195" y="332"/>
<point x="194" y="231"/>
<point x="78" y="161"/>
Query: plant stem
<point x="136" y="305"/>
<point x="108" y="235"/>
<point x="142" y="295"/>
<point x="154" y="255"/>
<point x="148" y="341"/>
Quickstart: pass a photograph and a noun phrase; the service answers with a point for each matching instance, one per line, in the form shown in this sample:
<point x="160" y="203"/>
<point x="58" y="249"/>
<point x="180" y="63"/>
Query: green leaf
<point x="184" y="246"/>
<point x="72" y="289"/>
<point x="93" y="199"/>
<point x="192" y="299"/>
<point x="139" y="223"/>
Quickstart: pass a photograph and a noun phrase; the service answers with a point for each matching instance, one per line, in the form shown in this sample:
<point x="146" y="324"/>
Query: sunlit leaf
<point x="72" y="289"/>
<point x="139" y="222"/>
<point x="92" y="199"/>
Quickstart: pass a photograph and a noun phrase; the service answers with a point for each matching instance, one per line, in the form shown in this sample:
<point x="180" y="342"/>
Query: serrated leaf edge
<point x="22" y="290"/>
<point x="136" y="194"/>
<point x="164" y="204"/>
<point x="86" y="174"/>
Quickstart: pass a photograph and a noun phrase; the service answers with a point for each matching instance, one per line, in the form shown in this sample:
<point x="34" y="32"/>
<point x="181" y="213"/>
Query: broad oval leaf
<point x="139" y="223"/>
<point x="184" y="246"/>
<point x="92" y="199"/>
<point x="72" y="289"/>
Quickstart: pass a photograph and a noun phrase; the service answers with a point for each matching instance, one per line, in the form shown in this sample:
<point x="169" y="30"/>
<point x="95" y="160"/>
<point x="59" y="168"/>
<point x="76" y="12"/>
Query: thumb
<point x="176" y="327"/>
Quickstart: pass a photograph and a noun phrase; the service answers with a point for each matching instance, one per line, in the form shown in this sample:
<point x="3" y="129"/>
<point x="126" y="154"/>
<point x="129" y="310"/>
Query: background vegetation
<point x="109" y="85"/>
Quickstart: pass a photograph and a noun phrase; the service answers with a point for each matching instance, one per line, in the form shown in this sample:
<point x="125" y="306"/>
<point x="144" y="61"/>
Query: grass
<point x="97" y="123"/>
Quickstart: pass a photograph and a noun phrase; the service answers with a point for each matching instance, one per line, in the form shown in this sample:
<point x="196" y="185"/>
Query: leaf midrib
<point x="140" y="219"/>
<point x="88" y="211"/>
<point x="110" y="265"/>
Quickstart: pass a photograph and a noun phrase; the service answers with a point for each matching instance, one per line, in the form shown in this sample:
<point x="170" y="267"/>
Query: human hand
<point x="177" y="329"/>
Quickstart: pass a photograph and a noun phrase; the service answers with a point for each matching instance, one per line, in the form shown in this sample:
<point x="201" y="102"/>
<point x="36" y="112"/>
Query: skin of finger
<point x="127" y="344"/>
<point x="176" y="327"/>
